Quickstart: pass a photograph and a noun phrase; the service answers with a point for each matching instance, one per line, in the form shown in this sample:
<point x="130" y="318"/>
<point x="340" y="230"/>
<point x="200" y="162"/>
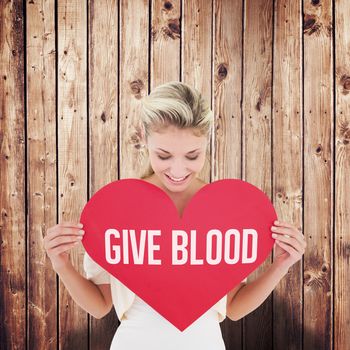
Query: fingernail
<point x="274" y="235"/>
<point x="81" y="232"/>
<point x="80" y="237"/>
<point x="276" y="222"/>
<point x="80" y="225"/>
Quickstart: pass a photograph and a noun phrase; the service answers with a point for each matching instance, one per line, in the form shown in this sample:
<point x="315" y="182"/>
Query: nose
<point x="178" y="169"/>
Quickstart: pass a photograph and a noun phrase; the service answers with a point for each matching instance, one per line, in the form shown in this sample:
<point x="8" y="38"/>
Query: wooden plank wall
<point x="277" y="75"/>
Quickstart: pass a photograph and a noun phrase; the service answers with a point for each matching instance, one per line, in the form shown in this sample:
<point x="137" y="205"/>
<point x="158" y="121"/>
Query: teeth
<point x="179" y="180"/>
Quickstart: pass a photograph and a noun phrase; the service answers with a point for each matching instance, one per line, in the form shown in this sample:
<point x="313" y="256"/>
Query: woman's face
<point x="176" y="156"/>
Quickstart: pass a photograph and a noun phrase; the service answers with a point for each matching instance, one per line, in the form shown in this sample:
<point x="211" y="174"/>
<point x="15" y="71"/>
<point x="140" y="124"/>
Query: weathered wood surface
<point x="277" y="76"/>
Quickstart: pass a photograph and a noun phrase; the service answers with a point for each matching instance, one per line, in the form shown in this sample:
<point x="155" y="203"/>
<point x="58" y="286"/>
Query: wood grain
<point x="72" y="151"/>
<point x="134" y="80"/>
<point x="277" y="76"/>
<point x="103" y="49"/>
<point x="227" y="96"/>
<point x="257" y="140"/>
<point x="196" y="50"/>
<point x="341" y="248"/>
<point x="288" y="163"/>
<point x="318" y="173"/>
<point x="13" y="277"/>
<point x="42" y="160"/>
<point x="165" y="42"/>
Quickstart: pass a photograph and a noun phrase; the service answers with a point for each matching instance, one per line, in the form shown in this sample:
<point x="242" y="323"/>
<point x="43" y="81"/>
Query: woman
<point x="174" y="135"/>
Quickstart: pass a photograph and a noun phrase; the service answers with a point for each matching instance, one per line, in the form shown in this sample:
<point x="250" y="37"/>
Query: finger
<point x="71" y="224"/>
<point x="282" y="223"/>
<point x="62" y="240"/>
<point x="291" y="241"/>
<point x="294" y="253"/>
<point x="290" y="232"/>
<point x="65" y="224"/>
<point x="62" y="248"/>
<point x="289" y="249"/>
<point x="62" y="231"/>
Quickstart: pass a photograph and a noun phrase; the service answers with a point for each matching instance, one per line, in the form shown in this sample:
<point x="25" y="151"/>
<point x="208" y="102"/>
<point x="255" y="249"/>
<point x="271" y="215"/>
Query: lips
<point x="176" y="181"/>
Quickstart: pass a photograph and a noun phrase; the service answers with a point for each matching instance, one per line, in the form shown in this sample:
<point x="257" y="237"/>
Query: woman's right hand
<point x="59" y="240"/>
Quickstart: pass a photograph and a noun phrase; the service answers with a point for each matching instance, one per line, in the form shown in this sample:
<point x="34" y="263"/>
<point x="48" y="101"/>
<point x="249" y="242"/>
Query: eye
<point x="189" y="158"/>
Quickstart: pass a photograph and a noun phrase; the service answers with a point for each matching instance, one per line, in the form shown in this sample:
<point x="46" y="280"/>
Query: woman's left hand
<point x="290" y="244"/>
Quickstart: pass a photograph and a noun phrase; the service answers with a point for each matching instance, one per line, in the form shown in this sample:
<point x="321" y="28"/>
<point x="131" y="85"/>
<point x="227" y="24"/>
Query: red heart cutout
<point x="181" y="291"/>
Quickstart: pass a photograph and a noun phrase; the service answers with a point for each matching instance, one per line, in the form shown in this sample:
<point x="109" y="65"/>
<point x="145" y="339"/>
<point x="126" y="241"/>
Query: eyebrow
<point x="187" y="152"/>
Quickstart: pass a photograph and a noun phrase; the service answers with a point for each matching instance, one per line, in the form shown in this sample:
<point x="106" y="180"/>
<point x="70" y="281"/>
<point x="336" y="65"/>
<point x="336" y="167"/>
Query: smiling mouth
<point x="175" y="180"/>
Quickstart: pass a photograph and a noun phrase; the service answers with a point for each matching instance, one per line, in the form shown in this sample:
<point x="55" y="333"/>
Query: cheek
<point x="198" y="164"/>
<point x="157" y="164"/>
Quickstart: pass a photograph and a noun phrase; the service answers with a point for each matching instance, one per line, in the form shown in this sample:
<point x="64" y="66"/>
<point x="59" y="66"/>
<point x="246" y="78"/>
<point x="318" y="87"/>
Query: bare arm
<point x="251" y="295"/>
<point x="84" y="292"/>
<point x="290" y="247"/>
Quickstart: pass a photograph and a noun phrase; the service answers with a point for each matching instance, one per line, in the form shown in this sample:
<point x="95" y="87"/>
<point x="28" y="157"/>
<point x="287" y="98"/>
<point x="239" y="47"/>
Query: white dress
<point x="144" y="328"/>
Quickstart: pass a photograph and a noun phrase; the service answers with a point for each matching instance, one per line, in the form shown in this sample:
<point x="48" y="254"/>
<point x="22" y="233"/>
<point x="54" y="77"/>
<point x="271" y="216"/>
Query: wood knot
<point x="222" y="71"/>
<point x="345" y="132"/>
<point x="315" y="2"/>
<point x="103" y="117"/>
<point x="172" y="30"/>
<point x="310" y="24"/>
<point x="174" y="26"/>
<point x="345" y="82"/>
<point x="258" y="105"/>
<point x="136" y="137"/>
<point x="168" y="5"/>
<point x="319" y="149"/>
<point x="329" y="29"/>
<point x="316" y="280"/>
<point x="71" y="179"/>
<point x="136" y="87"/>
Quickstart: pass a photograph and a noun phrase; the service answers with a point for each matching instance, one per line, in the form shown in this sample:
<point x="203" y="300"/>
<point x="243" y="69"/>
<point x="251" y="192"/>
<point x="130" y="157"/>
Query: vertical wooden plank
<point x="165" y="42"/>
<point x="197" y="52"/>
<point x="342" y="177"/>
<point x="227" y="74"/>
<point x="103" y="125"/>
<point x="318" y="160"/>
<point x="72" y="152"/>
<point x="133" y="83"/>
<point x="287" y="163"/>
<point x="12" y="178"/>
<point x="41" y="121"/>
<point x="257" y="77"/>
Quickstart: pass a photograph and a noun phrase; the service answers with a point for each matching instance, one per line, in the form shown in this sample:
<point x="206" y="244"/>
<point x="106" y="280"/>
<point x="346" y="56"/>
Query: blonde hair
<point x="173" y="103"/>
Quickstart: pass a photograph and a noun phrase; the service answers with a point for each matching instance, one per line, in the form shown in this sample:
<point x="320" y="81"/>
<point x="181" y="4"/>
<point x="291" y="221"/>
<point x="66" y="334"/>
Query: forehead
<point x="175" y="140"/>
